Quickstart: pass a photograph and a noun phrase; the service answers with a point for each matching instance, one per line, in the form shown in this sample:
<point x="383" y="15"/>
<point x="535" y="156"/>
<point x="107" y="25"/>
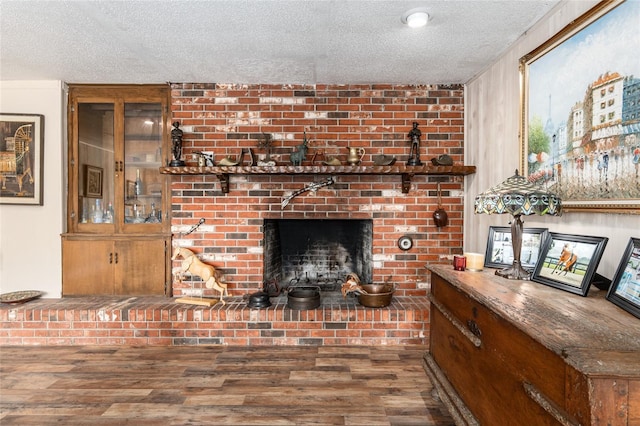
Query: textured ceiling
<point x="257" y="41"/>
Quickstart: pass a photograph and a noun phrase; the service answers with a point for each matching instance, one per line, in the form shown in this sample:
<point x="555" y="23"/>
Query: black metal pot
<point x="303" y="298"/>
<point x="259" y="299"/>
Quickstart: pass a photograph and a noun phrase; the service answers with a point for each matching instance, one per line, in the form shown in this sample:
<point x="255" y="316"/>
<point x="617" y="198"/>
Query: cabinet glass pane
<point x="96" y="159"/>
<point x="142" y="157"/>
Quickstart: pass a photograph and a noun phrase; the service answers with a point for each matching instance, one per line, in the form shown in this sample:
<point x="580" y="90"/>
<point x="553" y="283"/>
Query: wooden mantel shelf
<point x="407" y="172"/>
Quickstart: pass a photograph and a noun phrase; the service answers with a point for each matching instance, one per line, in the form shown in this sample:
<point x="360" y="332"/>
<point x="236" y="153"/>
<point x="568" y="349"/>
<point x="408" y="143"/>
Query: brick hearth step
<point x="107" y="320"/>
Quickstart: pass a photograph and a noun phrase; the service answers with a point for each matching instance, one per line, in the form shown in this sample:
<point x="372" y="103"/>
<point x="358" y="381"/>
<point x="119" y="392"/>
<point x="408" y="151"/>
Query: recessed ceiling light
<point x="416" y="18"/>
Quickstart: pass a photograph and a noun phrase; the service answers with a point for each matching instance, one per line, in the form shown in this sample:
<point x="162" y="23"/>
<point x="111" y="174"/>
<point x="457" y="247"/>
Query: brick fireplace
<point x="225" y="118"/>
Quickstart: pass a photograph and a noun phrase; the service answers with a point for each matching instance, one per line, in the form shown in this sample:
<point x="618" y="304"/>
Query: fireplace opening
<point x="318" y="252"/>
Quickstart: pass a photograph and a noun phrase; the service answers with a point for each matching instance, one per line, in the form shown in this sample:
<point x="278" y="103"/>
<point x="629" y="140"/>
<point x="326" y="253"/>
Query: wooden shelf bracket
<point x="224" y="182"/>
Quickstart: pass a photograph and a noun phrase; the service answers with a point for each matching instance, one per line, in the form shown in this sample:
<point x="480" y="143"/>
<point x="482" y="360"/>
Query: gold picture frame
<point x="93" y="181"/>
<point x="580" y="120"/>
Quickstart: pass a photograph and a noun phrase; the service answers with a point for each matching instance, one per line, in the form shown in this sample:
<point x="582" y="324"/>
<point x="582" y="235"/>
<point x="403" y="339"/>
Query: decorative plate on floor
<point x="20" y="296"/>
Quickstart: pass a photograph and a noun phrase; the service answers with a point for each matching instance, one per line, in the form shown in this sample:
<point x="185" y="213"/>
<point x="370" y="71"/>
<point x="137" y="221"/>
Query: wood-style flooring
<point x="217" y="385"/>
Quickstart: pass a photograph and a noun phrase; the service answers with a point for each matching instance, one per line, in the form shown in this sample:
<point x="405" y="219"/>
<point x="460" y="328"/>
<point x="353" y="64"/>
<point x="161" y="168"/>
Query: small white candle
<point x="475" y="261"/>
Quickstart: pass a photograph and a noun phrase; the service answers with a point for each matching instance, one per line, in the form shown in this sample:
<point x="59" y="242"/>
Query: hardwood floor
<point x="221" y="385"/>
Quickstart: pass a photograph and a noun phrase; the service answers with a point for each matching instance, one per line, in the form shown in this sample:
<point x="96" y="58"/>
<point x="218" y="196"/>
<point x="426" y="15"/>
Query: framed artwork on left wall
<point x="21" y="159"/>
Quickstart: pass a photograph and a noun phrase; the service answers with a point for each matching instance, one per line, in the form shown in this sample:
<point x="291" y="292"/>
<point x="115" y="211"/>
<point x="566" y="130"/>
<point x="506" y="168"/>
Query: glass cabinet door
<point x="143" y="125"/>
<point x="117" y="138"/>
<point x="96" y="156"/>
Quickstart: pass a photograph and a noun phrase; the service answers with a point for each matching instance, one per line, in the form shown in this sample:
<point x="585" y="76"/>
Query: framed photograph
<point x="625" y="287"/>
<point x="580" y="132"/>
<point x="92" y="181"/>
<point x="131" y="190"/>
<point x="21" y="159"/>
<point x="569" y="262"/>
<point x="499" y="253"/>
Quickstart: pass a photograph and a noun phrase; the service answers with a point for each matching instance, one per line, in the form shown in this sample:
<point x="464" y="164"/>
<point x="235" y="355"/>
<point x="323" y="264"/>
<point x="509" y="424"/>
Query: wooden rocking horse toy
<point x="195" y="266"/>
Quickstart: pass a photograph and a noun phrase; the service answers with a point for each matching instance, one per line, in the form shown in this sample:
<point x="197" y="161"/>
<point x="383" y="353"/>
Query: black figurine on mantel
<point x="414" y="155"/>
<point x="176" y="146"/>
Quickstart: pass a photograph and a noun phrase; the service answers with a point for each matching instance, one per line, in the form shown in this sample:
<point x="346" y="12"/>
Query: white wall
<point x="492" y="124"/>
<point x="30" y="244"/>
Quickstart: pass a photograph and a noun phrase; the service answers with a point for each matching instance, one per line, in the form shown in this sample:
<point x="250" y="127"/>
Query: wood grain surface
<point x="222" y="385"/>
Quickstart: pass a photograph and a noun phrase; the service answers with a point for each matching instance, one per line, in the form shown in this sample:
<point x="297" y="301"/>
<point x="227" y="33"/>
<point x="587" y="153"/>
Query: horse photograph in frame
<point x="499" y="252"/>
<point x="569" y="262"/>
<point x="625" y="286"/>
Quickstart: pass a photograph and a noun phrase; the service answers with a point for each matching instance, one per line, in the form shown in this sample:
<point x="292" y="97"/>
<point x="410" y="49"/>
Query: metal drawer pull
<point x="474" y="328"/>
<point x="547" y="405"/>
<point x="475" y="339"/>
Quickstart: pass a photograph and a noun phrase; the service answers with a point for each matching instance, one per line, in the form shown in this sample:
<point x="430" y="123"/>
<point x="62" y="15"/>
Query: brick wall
<point x="224" y="118"/>
<point x="153" y="320"/>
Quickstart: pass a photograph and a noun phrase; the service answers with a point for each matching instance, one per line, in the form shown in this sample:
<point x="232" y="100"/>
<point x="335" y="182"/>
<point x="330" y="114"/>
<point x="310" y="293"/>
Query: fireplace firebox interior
<point x="317" y="252"/>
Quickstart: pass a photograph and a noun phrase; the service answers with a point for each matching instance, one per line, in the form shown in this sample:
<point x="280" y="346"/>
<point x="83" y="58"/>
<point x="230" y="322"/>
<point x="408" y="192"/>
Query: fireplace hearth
<point x="317" y="252"/>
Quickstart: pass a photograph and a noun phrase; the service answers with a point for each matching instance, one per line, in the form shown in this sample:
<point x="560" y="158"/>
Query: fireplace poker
<point x="194" y="227"/>
<point x="311" y="187"/>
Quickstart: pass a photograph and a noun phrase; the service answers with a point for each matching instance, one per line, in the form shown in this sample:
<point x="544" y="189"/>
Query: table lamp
<point x="517" y="196"/>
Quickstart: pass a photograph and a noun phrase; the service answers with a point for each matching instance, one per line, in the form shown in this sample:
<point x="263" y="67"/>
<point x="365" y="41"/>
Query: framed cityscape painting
<point x="580" y="112"/>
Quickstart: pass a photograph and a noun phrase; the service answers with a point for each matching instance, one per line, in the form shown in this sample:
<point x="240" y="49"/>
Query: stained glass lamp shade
<point x="517" y="196"/>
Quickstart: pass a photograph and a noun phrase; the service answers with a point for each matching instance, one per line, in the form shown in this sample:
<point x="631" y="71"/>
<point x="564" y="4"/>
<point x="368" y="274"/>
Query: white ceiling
<point x="257" y="41"/>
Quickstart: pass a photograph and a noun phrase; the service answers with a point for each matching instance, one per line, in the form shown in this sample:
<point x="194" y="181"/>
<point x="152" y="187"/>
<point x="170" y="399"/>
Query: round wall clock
<point x="405" y="243"/>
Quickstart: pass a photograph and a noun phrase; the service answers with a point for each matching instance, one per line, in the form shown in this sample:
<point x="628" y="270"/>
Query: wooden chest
<point x="506" y="352"/>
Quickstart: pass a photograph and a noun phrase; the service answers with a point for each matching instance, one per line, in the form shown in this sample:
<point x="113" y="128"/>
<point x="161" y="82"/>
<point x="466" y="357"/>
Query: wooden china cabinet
<point x="118" y="224"/>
